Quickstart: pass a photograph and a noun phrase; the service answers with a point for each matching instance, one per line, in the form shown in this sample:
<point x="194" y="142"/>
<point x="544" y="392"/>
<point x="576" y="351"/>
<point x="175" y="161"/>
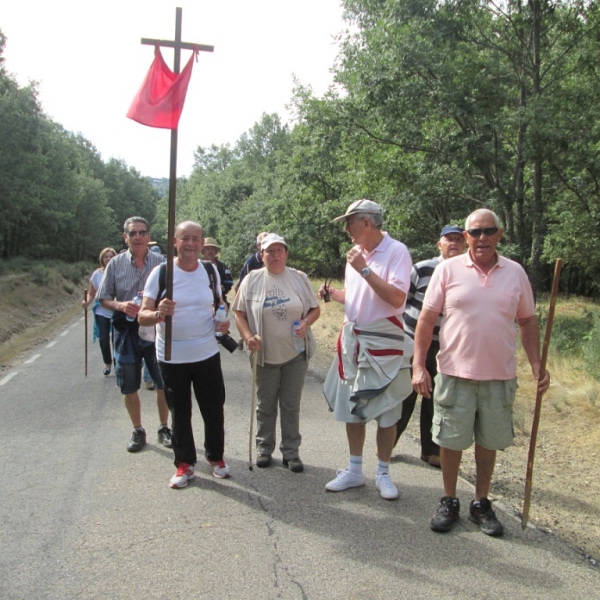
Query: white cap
<point x="271" y="239"/>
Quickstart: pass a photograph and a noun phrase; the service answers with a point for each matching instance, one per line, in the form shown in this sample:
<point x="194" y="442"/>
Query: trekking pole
<point x="538" y="397"/>
<point x="252" y="403"/>
<point x="85" y="320"/>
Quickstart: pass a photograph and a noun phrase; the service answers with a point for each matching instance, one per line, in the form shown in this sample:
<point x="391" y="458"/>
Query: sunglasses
<point x="487" y="231"/>
<point x="134" y="233"/>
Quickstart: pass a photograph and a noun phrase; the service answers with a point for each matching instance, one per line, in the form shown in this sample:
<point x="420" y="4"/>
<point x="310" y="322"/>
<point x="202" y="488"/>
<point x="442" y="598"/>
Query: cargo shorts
<point x="466" y="410"/>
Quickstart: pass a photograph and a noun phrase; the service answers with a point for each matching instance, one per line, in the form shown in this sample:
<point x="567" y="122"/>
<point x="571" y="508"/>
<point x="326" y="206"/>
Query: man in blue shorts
<point x="122" y="281"/>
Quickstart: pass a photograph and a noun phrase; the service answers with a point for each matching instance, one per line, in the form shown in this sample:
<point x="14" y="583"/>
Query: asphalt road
<point x="82" y="518"/>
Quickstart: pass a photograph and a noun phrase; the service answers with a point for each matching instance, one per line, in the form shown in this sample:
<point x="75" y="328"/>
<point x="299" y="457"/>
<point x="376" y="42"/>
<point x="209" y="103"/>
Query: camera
<point x="227" y="342"/>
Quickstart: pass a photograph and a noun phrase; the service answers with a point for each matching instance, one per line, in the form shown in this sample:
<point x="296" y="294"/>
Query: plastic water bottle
<point x="138" y="301"/>
<point x="298" y="341"/>
<point x="220" y="317"/>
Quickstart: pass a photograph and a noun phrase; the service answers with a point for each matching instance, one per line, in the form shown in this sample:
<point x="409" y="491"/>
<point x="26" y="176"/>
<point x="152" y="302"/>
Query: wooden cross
<point x="177" y="45"/>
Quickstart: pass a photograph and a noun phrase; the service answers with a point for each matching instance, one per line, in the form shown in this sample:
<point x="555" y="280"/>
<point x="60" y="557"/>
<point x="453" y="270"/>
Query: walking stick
<point x="538" y="397"/>
<point x="252" y="404"/>
<point x="85" y="319"/>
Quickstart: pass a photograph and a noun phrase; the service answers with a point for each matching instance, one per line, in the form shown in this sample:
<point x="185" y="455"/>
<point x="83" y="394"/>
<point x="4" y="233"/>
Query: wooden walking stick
<point x="85" y="320"/>
<point x="538" y="397"/>
<point x="252" y="404"/>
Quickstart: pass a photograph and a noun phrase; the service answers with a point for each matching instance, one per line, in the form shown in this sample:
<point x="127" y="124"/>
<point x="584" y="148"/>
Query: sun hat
<point x="211" y="242"/>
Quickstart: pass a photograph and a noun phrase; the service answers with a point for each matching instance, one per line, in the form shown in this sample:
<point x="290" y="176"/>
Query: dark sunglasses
<point x="487" y="231"/>
<point x="141" y="232"/>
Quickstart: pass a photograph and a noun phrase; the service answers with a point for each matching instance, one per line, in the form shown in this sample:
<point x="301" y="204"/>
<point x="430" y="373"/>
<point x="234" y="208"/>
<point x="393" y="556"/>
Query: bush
<point x="74" y="272"/>
<point x="591" y="349"/>
<point x="568" y="331"/>
<point x="40" y="274"/>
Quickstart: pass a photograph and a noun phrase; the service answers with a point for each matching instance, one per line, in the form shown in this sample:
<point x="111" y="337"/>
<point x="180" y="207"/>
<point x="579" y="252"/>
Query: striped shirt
<point x="420" y="277"/>
<point x="123" y="280"/>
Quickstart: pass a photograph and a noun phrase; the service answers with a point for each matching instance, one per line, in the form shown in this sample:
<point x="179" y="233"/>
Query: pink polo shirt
<point x="478" y="335"/>
<point x="391" y="261"/>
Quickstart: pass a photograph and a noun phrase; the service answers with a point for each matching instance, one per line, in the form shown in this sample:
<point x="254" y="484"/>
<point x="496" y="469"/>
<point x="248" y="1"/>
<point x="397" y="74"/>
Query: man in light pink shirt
<point x="377" y="281"/>
<point x="480" y="294"/>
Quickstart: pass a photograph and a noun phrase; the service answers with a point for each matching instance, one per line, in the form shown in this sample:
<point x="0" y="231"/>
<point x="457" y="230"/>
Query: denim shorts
<point x="129" y="374"/>
<point x="466" y="410"/>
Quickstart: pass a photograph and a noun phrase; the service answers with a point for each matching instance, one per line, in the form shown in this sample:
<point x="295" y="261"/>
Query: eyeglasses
<point x="487" y="231"/>
<point x="134" y="233"/>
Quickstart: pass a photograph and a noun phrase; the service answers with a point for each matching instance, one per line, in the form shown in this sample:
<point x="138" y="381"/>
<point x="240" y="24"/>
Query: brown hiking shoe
<point x="483" y="514"/>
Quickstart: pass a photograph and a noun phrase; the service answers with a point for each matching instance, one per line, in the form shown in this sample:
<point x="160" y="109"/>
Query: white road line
<point x="8" y="378"/>
<point x="64" y="333"/>
<point x="33" y="358"/>
<point x="51" y="344"/>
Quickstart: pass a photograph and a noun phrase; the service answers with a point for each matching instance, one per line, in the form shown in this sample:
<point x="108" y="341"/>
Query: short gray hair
<point x="483" y="211"/>
<point x="135" y="220"/>
<point x="376" y="219"/>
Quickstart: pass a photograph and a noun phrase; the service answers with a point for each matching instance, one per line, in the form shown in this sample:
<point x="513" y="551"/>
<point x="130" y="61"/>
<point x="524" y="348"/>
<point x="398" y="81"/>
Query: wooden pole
<point x="538" y="397"/>
<point x="85" y="328"/>
<point x="177" y="45"/>
<point x="252" y="404"/>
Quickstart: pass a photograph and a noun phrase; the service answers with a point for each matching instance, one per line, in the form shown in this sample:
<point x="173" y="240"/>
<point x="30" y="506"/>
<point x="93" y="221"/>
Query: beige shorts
<point x="466" y="410"/>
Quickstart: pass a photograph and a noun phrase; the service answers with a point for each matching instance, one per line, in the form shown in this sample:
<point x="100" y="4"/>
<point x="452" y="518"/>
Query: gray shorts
<point x="467" y="410"/>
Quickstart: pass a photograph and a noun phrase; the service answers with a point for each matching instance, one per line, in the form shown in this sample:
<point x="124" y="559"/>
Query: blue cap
<point x="451" y="229"/>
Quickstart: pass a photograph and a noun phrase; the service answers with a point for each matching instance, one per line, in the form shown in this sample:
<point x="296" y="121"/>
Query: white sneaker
<point x="220" y="468"/>
<point x="184" y="473"/>
<point x="387" y="489"/>
<point x="344" y="480"/>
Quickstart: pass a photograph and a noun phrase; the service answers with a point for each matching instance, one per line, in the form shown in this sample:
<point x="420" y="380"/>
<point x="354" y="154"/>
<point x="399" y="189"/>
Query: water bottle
<point x="138" y="301"/>
<point x="220" y="317"/>
<point x="298" y="341"/>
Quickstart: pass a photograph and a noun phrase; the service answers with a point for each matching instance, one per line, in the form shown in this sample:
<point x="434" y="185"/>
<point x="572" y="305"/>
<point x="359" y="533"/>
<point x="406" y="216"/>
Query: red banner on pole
<point x="160" y="99"/>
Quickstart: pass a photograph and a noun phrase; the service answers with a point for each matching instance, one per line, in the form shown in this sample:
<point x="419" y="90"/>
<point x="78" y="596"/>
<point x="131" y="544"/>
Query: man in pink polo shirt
<point x="370" y="376"/>
<point x="480" y="294"/>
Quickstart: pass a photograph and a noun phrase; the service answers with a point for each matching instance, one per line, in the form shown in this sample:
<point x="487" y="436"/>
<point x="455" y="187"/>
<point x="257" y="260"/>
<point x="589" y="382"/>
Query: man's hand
<point x="421" y="381"/>
<point x="356" y="259"/>
<point x="543" y="383"/>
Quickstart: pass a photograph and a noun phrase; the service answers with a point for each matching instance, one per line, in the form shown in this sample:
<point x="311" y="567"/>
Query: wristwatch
<point x="366" y="272"/>
<point x="157" y="315"/>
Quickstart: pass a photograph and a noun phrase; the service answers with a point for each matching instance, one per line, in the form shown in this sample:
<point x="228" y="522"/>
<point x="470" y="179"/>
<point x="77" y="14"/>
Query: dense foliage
<point x="58" y="199"/>
<point x="437" y="108"/>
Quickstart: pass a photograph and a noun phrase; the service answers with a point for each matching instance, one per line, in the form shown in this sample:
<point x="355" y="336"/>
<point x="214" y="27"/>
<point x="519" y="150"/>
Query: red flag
<point x="160" y="99"/>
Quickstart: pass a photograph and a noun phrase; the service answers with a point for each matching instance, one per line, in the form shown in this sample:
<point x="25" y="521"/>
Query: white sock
<point x="382" y="467"/>
<point x="355" y="466"/>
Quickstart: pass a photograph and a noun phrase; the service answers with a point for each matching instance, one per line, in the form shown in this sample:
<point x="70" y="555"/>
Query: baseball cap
<point x="451" y="229"/>
<point x="155" y="249"/>
<point x="270" y="239"/>
<point x="361" y="206"/>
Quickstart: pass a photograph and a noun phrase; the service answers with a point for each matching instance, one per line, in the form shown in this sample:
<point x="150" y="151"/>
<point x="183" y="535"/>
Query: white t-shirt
<point x="193" y="331"/>
<point x="96" y="280"/>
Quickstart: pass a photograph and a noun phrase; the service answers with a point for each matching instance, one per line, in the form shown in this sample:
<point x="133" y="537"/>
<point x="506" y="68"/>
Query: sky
<point x="89" y="63"/>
